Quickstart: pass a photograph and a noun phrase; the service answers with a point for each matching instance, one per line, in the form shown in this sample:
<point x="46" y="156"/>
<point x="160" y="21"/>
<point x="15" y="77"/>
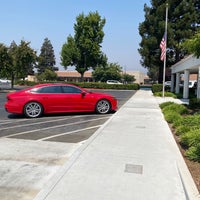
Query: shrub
<point x="191" y="120"/>
<point x="187" y="127"/>
<point x="187" y="123"/>
<point x="178" y="108"/>
<point x="178" y="122"/>
<point x="181" y="129"/>
<point x="167" y="94"/>
<point x="157" y="88"/>
<point x="163" y="105"/>
<point x="172" y="117"/>
<point x="191" y="138"/>
<point x="97" y="85"/>
<point x="193" y="153"/>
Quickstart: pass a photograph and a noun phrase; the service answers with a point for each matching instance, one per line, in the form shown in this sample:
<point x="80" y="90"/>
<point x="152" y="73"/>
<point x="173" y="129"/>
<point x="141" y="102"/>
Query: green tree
<point x="23" y="59"/>
<point x="17" y="61"/>
<point x="47" y="75"/>
<point x="83" y="50"/>
<point x="127" y="78"/>
<point x="26" y="60"/>
<point x="153" y="73"/>
<point x="111" y="71"/>
<point x="46" y="58"/>
<point x="12" y="68"/>
<point x="183" y="22"/>
<point x="5" y="61"/>
<point x="193" y="45"/>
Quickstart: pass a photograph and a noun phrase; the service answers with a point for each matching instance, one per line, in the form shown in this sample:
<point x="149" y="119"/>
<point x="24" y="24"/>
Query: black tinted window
<point x="71" y="89"/>
<point x="49" y="89"/>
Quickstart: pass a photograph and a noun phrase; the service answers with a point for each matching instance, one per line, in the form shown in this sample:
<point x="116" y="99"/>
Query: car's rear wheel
<point x="103" y="106"/>
<point x="33" y="109"/>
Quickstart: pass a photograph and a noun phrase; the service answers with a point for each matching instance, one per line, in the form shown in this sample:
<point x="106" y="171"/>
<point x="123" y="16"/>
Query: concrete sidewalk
<point x="132" y="157"/>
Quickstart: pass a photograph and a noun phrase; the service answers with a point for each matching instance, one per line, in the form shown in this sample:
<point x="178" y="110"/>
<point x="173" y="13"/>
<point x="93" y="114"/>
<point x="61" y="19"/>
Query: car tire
<point x="103" y="106"/>
<point x="33" y="109"/>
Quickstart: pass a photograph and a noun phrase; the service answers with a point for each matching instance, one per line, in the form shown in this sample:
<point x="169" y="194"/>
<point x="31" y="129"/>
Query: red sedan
<point x="58" y="98"/>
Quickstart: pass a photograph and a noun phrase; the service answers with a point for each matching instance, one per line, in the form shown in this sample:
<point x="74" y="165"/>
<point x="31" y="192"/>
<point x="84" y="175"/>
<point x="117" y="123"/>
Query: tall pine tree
<point x="46" y="58"/>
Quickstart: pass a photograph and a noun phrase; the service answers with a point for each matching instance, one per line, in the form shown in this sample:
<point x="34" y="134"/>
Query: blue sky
<point x="34" y="20"/>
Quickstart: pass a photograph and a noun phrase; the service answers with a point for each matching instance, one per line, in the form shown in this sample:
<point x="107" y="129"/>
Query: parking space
<point x="52" y="128"/>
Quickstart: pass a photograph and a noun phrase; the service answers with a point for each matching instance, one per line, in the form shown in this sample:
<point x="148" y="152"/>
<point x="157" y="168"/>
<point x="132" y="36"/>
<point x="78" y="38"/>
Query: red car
<point x="58" y="98"/>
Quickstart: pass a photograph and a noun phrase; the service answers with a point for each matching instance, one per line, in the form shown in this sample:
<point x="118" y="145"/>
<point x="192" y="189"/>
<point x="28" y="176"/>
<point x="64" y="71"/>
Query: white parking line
<point x="36" y="123"/>
<point x="8" y="121"/>
<point x="67" y="133"/>
<point x="52" y="127"/>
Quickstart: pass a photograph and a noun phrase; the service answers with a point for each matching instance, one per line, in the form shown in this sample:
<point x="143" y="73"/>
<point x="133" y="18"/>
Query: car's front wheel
<point x="33" y="109"/>
<point x="103" y="106"/>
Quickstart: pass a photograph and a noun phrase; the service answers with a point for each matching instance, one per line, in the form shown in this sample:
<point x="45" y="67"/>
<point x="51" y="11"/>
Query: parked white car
<point x="192" y="84"/>
<point x="113" y="82"/>
<point x="168" y="83"/>
<point x="4" y="83"/>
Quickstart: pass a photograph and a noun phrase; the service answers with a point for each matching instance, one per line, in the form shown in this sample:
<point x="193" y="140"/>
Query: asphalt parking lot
<point x="69" y="128"/>
<point x="34" y="149"/>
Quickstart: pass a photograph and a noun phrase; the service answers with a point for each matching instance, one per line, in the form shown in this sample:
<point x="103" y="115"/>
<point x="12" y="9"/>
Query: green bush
<point x="157" y="88"/>
<point x="163" y="105"/>
<point x="97" y="85"/>
<point x="181" y="129"/>
<point x="193" y="153"/>
<point x="178" y="108"/>
<point x="187" y="123"/>
<point x="191" y="138"/>
<point x="178" y="122"/>
<point x="166" y="94"/>
<point x="191" y="120"/>
<point x="172" y="117"/>
<point x="186" y="126"/>
<point x="93" y="85"/>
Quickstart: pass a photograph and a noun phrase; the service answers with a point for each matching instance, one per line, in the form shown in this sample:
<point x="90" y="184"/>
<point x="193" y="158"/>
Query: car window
<point x="71" y="90"/>
<point x="48" y="89"/>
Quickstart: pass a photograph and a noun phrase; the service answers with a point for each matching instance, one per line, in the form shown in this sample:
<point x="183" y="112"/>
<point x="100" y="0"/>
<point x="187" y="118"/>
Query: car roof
<point x="53" y="84"/>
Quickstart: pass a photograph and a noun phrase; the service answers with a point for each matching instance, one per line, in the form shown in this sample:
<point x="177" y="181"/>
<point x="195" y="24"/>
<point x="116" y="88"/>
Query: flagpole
<point x="164" y="67"/>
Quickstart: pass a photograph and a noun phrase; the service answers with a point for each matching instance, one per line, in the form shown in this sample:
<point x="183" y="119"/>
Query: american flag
<point x="163" y="47"/>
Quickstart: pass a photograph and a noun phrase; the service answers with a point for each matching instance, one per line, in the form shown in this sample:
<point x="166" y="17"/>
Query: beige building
<point x="139" y="76"/>
<point x="74" y="76"/>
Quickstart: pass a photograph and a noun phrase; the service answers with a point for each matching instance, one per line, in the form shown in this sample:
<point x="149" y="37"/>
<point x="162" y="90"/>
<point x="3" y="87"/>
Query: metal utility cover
<point x="131" y="168"/>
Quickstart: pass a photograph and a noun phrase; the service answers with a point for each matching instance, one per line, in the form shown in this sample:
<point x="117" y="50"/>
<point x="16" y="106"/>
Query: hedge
<point x="93" y="85"/>
<point x="187" y="127"/>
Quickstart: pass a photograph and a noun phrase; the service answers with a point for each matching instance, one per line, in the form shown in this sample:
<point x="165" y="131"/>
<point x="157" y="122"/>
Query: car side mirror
<point x="83" y="94"/>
